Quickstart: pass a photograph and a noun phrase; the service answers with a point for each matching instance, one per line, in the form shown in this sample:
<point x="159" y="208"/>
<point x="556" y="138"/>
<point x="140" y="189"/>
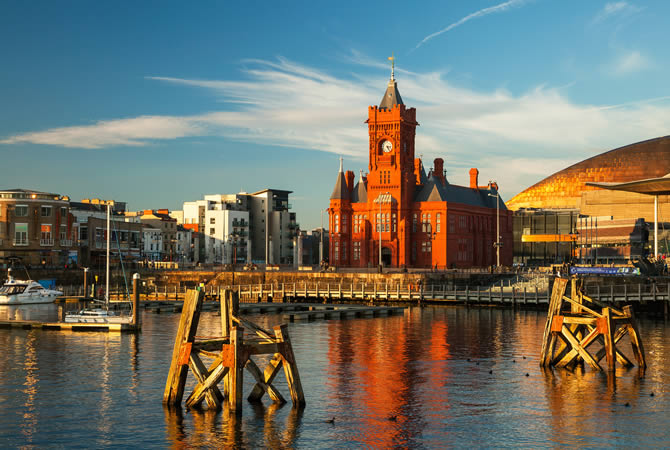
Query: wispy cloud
<point x="136" y="131"/>
<point x="613" y="9"/>
<point x="632" y="61"/>
<point x="475" y="15"/>
<point x="284" y="104"/>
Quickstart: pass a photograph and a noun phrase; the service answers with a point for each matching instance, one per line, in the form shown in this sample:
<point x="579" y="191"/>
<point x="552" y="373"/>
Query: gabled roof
<point x="434" y="191"/>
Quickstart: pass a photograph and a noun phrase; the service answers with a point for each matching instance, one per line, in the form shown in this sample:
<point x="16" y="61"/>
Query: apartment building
<point x="125" y="240"/>
<point x="256" y="227"/>
<point x="36" y="228"/>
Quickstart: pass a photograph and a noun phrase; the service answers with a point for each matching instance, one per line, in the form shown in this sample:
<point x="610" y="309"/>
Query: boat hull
<point x="28" y="300"/>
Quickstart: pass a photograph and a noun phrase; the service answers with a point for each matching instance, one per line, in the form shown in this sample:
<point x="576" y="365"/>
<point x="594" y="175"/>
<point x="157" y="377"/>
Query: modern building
<point x="606" y="226"/>
<point x="36" y="228"/>
<point x="243" y="227"/>
<point x="399" y="216"/>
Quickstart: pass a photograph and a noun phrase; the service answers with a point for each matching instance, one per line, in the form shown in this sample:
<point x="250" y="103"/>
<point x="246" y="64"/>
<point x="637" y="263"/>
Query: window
<point x="452" y="224"/>
<point x="414" y="221"/>
<point x="378" y="226"/>
<point x="357" y="251"/>
<point x="337" y="224"/>
<point x="437" y="222"/>
<point x="386" y="222"/>
<point x="21" y="234"/>
<point x="63" y="212"/>
<point x="46" y="211"/>
<point x="211" y="231"/>
<point x="83" y="233"/>
<point x="394" y="223"/>
<point x="344" y="224"/>
<point x="355" y="224"/>
<point x="336" y="251"/>
<point x="212" y="220"/>
<point x="63" y="232"/>
<point x="413" y="251"/>
<point x="344" y="251"/>
<point x="21" y="210"/>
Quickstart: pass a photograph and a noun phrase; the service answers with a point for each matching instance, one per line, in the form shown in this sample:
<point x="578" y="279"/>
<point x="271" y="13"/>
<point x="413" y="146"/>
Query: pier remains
<point x="577" y="322"/>
<point x="230" y="354"/>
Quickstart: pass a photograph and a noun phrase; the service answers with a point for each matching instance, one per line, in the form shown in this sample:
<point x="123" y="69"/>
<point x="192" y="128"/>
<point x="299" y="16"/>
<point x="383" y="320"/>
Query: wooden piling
<point x="188" y="325"/>
<point x="234" y="357"/>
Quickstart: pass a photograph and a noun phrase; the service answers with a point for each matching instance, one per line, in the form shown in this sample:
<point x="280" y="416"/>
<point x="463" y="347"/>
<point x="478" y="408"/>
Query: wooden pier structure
<point x="569" y="332"/>
<point x="230" y="354"/>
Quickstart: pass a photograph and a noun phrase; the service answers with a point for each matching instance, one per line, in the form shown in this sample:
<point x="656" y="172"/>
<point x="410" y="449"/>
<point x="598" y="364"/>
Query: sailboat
<point x="101" y="314"/>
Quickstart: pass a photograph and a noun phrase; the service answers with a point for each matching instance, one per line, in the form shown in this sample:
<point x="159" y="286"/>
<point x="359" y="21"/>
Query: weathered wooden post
<point x="188" y="324"/>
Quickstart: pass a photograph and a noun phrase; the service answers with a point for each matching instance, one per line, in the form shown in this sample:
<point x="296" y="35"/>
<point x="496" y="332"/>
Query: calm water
<point x="415" y="380"/>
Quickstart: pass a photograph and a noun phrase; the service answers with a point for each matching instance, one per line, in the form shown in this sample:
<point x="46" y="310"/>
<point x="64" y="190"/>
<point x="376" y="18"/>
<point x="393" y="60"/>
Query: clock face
<point x="387" y="146"/>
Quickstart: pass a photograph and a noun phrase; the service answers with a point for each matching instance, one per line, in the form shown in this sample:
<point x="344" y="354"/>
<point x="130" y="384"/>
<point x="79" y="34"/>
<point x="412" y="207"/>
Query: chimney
<point x="438" y="171"/>
<point x="474" y="175"/>
<point x="349" y="176"/>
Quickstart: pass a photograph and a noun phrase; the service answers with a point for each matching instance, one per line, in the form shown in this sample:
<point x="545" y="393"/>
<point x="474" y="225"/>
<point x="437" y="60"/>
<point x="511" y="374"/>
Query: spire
<point x="340" y="192"/>
<point x="360" y="194"/>
<point x="392" y="95"/>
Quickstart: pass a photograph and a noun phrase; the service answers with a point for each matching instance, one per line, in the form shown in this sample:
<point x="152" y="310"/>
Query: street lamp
<point x="497" y="244"/>
<point x="380" y="225"/>
<point x="321" y="241"/>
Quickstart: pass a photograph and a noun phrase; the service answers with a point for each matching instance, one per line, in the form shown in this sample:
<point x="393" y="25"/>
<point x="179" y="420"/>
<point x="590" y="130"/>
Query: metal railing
<point x="46" y="242"/>
<point x="66" y="242"/>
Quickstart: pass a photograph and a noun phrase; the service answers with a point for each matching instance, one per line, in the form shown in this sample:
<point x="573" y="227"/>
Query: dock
<point x="62" y="326"/>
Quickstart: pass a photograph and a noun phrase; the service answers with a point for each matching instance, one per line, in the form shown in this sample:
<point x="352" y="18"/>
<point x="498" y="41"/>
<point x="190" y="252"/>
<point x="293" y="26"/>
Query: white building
<point x="185" y="245"/>
<point x="244" y="227"/>
<point x="152" y="240"/>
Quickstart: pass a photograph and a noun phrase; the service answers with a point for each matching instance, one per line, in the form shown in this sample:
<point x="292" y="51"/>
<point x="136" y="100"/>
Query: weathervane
<point x="392" y="59"/>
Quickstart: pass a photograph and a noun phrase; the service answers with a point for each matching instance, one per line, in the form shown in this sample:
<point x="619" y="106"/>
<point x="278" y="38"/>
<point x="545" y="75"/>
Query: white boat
<point x="26" y="292"/>
<point x="100" y="315"/>
<point x="96" y="315"/>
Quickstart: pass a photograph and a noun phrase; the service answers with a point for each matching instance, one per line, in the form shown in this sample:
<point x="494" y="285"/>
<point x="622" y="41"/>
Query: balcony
<point x="66" y="242"/>
<point x="20" y="242"/>
<point x="46" y="242"/>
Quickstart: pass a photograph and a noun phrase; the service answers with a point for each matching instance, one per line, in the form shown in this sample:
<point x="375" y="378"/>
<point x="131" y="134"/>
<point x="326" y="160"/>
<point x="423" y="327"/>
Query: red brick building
<point x="421" y="220"/>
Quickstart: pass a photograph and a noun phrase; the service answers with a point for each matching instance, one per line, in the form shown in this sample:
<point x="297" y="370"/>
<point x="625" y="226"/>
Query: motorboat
<point x="26" y="292"/>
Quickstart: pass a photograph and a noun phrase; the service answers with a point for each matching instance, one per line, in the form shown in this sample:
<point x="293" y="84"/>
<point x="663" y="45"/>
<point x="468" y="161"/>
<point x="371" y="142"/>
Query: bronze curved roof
<point x="646" y="159"/>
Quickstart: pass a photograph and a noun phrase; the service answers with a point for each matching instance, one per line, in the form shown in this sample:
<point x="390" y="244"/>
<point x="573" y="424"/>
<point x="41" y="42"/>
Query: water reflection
<point x="432" y="377"/>
<point x="225" y="428"/>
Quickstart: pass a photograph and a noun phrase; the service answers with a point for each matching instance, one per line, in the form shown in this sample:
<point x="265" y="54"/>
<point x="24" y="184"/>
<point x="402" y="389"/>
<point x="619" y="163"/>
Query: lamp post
<point x="321" y="241"/>
<point x="380" y="225"/>
<point x="497" y="244"/>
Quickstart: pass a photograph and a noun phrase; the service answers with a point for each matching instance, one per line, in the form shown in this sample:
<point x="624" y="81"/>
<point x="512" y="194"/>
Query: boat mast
<point x="109" y="205"/>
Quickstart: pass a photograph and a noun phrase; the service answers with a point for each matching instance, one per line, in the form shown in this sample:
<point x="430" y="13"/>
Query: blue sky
<point x="157" y="103"/>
